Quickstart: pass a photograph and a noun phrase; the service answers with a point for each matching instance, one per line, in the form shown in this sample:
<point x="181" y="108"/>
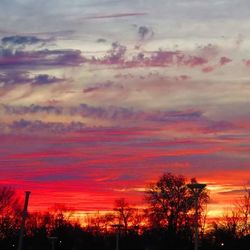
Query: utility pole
<point x="196" y="189"/>
<point x="53" y="240"/>
<point x="118" y="230"/>
<point x="24" y="216"/>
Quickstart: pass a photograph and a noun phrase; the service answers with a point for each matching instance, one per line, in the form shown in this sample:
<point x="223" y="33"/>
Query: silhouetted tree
<point x="236" y="222"/>
<point x="10" y="212"/>
<point x="8" y="200"/>
<point x="243" y="210"/>
<point x="126" y="215"/>
<point x="171" y="203"/>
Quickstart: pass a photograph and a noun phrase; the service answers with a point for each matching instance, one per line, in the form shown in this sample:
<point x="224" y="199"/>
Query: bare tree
<point x="243" y="211"/>
<point x="10" y="212"/>
<point x="236" y="222"/>
<point x="8" y="199"/>
<point x="124" y="213"/>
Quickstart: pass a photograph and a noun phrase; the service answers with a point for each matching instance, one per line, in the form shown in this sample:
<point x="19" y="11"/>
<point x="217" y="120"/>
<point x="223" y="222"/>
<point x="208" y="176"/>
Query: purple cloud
<point x="45" y="79"/>
<point x="119" y="115"/>
<point x="40" y="126"/>
<point x="22" y="40"/>
<point x="32" y="109"/>
<point x="102" y="86"/>
<point x="33" y="59"/>
<point x="109" y="113"/>
<point x="13" y="78"/>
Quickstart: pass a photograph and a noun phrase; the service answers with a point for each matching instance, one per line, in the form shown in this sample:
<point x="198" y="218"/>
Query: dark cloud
<point x="32" y="109"/>
<point x="102" y="86"/>
<point x="144" y="32"/>
<point x="46" y="79"/>
<point x="13" y="78"/>
<point x="40" y="126"/>
<point x="33" y="59"/>
<point x="22" y="40"/>
<point x="16" y="51"/>
<point x="101" y="40"/>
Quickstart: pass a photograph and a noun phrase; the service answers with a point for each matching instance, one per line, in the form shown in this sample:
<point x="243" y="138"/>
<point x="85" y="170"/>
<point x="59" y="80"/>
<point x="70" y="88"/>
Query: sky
<point x="98" y="98"/>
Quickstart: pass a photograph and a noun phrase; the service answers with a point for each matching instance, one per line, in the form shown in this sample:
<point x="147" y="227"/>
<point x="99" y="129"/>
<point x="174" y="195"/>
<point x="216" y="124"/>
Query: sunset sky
<point x="98" y="98"/>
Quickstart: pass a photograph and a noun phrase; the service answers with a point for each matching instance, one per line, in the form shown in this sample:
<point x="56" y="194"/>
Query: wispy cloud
<point x="117" y="15"/>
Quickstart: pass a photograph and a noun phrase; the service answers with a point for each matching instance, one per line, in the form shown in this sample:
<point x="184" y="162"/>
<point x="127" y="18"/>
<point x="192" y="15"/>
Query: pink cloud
<point x="225" y="60"/>
<point x="208" y="69"/>
<point x="194" y="61"/>
<point x="247" y="62"/>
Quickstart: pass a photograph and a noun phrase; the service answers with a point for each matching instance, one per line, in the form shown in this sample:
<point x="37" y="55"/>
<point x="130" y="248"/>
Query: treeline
<point x="167" y="222"/>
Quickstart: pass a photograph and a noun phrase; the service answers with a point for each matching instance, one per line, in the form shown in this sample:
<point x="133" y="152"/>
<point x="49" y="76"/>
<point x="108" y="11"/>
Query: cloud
<point x="13" y="78"/>
<point x="117" y="15"/>
<point x="33" y="59"/>
<point x="163" y="58"/>
<point x="145" y="32"/>
<point x="247" y="63"/>
<point x="194" y="61"/>
<point x="40" y="126"/>
<point x="234" y="191"/>
<point x="22" y="40"/>
<point x="118" y="56"/>
<point x="102" y="86"/>
<point x="15" y="53"/>
<point x="32" y="109"/>
<point x="45" y="79"/>
<point x="208" y="69"/>
<point x="122" y="117"/>
<point x="209" y="51"/>
<point x="225" y="60"/>
<point x="110" y="113"/>
<point x="119" y="113"/>
<point x="101" y="40"/>
<point x="214" y="126"/>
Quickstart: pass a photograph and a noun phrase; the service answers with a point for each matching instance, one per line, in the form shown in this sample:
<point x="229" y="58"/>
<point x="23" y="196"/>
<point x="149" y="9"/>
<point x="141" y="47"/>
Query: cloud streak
<point x="117" y="15"/>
